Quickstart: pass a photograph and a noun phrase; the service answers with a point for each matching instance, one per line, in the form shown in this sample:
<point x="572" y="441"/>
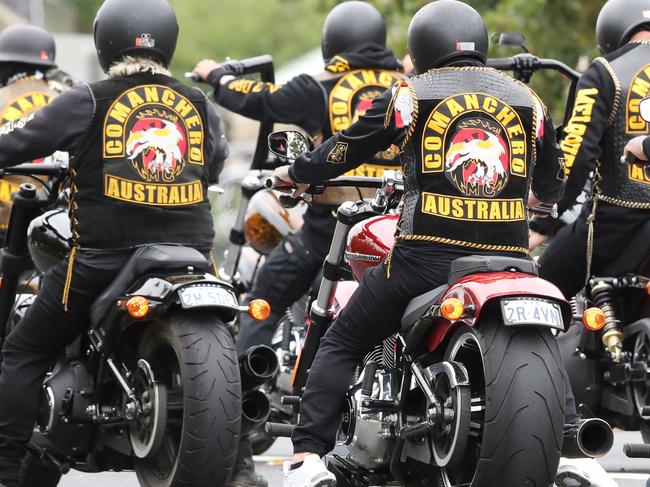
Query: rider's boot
<point x="582" y="472"/>
<point x="245" y="474"/>
<point x="312" y="473"/>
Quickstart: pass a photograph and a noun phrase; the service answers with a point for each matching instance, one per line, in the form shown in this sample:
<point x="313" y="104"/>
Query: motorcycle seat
<point x="144" y="260"/>
<point x="474" y="264"/>
<point x="635" y="253"/>
<point x="419" y="304"/>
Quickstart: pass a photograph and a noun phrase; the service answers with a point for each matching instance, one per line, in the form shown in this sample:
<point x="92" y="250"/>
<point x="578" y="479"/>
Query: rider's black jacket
<point x="605" y="117"/>
<point x="143" y="150"/>
<point x="321" y="105"/>
<point x="472" y="139"/>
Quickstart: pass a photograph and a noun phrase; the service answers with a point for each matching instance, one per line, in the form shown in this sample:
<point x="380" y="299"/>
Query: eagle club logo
<point x="479" y="143"/>
<point x="477" y="160"/>
<point x="153" y="137"/>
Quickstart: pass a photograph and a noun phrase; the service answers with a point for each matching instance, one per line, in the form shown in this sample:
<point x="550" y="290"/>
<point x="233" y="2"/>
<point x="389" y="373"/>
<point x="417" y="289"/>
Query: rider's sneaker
<point x="582" y="472"/>
<point x="246" y="476"/>
<point x="312" y="473"/>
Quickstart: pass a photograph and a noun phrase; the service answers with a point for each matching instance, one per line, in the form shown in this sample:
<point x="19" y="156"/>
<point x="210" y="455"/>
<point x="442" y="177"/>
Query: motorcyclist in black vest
<point x="605" y="118"/>
<point x="144" y="147"/>
<point x="28" y="79"/>
<point x="358" y="68"/>
<point x="453" y="113"/>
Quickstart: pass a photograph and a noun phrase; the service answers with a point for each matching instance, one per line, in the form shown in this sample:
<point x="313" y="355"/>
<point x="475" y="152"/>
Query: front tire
<point x="518" y="406"/>
<point x="193" y="355"/>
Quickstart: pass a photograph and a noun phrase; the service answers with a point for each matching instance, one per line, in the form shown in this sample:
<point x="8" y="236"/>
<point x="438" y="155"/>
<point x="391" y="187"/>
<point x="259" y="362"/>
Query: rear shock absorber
<point x="602" y="294"/>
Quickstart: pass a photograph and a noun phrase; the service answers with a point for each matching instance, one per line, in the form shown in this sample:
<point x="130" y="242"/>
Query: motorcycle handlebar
<point x="34" y="169"/>
<point x="356" y="181"/>
<point x="252" y="65"/>
<point x="529" y="61"/>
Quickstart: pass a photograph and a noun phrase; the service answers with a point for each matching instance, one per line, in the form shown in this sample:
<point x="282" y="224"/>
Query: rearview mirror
<point x="644" y="109"/>
<point x="510" y="39"/>
<point x="288" y="144"/>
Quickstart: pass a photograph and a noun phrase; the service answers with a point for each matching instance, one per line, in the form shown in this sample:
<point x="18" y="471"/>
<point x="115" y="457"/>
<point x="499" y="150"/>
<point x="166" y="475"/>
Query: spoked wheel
<point x="517" y="407"/>
<point x="641" y="389"/>
<point x="189" y="387"/>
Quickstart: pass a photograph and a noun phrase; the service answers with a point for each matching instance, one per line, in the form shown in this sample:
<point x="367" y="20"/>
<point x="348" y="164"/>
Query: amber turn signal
<point x="647" y="288"/>
<point x="259" y="310"/>
<point x="138" y="306"/>
<point x="593" y="319"/>
<point x="452" y="309"/>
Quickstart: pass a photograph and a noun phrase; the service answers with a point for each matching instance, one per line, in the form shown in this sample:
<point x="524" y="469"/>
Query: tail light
<point x="593" y="319"/>
<point x="452" y="309"/>
<point x="138" y="306"/>
<point x="259" y="309"/>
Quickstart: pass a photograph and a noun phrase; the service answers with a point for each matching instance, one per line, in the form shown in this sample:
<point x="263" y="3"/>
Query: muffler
<point x="588" y="438"/>
<point x="257" y="365"/>
<point x="255" y="408"/>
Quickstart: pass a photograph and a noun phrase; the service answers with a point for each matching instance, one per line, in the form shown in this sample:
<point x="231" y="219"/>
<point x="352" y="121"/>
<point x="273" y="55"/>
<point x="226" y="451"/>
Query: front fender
<point x="479" y="290"/>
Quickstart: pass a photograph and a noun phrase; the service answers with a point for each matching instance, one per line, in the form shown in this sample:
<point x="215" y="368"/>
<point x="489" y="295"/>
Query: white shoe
<point x="312" y="473"/>
<point x="582" y="472"/>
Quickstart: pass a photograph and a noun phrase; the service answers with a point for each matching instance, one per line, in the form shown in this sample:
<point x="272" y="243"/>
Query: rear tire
<point x="516" y="436"/>
<point x="193" y="354"/>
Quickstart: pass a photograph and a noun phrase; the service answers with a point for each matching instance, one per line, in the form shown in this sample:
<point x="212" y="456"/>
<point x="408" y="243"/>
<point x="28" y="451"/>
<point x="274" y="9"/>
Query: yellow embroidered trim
<point x="68" y="278"/>
<point x="414" y="117"/>
<point x="625" y="204"/>
<point x="617" y="85"/>
<point x="391" y="104"/>
<point x="388" y="261"/>
<point x="462" y="243"/>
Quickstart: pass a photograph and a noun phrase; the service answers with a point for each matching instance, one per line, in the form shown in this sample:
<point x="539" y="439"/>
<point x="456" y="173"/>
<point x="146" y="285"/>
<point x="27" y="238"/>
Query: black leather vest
<point x="623" y="184"/>
<point x="141" y="174"/>
<point x="468" y="159"/>
<point x="17" y="100"/>
<point x="348" y="95"/>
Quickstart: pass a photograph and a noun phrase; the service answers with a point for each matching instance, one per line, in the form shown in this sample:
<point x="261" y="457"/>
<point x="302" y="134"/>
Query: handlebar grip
<point x="551" y="211"/>
<point x="630" y="158"/>
<point x="502" y="64"/>
<point x="251" y="65"/>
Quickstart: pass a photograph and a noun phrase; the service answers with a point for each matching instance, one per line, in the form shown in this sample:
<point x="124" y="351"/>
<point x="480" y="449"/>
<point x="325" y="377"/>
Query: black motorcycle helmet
<point x="444" y="31"/>
<point x="27" y="44"/>
<point x="619" y="20"/>
<point x="350" y="24"/>
<point x="142" y="28"/>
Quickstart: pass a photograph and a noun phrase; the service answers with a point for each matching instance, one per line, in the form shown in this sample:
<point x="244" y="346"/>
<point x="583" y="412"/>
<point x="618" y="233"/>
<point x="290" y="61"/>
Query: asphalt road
<point x="626" y="472"/>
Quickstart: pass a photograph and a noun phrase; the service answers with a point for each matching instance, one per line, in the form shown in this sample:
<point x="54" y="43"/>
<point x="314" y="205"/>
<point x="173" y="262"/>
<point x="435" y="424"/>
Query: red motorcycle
<point x="470" y="391"/>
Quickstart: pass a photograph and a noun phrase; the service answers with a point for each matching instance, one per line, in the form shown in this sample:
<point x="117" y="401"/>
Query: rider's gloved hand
<point x="639" y="147"/>
<point x="281" y="174"/>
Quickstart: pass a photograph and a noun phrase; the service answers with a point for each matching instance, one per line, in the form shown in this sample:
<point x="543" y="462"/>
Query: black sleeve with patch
<point x="55" y="127"/>
<point x="300" y="102"/>
<point x="548" y="175"/>
<point x="583" y="133"/>
<point x="351" y="147"/>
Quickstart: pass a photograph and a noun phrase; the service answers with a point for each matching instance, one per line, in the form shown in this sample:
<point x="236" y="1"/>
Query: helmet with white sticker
<point x="146" y="28"/>
<point x="444" y="32"/>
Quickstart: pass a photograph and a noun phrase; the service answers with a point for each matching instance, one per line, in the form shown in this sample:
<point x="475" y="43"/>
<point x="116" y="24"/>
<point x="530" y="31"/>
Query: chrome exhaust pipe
<point x="257" y="365"/>
<point x="255" y="410"/>
<point x="588" y="438"/>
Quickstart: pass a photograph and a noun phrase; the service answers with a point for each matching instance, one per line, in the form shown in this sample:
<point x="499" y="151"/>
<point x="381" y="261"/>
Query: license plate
<point x="198" y="296"/>
<point x="531" y="311"/>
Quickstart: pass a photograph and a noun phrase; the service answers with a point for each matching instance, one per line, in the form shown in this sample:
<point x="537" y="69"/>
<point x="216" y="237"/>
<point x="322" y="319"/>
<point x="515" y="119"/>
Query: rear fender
<point x="162" y="292"/>
<point x="479" y="290"/>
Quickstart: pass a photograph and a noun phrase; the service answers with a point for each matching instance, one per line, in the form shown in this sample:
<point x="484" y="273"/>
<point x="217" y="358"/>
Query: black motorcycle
<point x="155" y="383"/>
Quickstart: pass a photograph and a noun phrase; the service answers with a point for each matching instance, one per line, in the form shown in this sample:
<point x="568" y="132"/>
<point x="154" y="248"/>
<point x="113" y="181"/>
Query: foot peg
<point x="632" y="450"/>
<point x="588" y="438"/>
<point x="279" y="430"/>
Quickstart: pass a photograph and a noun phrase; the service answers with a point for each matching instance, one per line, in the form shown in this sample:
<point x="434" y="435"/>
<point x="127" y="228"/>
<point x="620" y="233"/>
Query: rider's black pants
<point x="373" y="313"/>
<point x="34" y="346"/>
<point x="286" y="276"/>
<point x="564" y="262"/>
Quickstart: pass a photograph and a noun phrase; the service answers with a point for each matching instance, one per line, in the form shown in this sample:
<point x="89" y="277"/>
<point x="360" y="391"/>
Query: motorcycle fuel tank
<point x="48" y="238"/>
<point x="369" y="242"/>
